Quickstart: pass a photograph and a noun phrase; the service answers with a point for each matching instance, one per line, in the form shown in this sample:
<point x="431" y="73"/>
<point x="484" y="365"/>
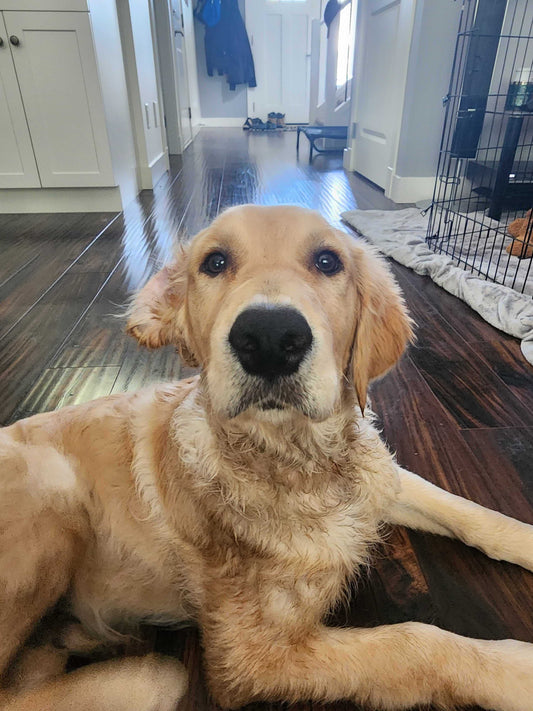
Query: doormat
<point x="400" y="234"/>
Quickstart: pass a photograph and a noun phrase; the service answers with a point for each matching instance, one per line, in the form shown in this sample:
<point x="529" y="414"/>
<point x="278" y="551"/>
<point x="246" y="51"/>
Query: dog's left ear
<point x="156" y="316"/>
<point x="383" y="327"/>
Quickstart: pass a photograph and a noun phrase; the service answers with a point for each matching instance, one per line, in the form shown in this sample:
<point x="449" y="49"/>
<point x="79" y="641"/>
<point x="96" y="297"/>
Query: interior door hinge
<point x="354" y="129"/>
<point x="190" y="113"/>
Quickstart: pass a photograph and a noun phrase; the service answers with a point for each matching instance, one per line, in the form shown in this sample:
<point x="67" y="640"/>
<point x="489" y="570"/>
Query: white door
<point x="58" y="78"/>
<point x="182" y="73"/>
<point x="382" y="44"/>
<point x="17" y="162"/>
<point x="280" y="36"/>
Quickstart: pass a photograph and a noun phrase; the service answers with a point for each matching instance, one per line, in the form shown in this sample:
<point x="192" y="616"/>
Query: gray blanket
<point x="400" y="234"/>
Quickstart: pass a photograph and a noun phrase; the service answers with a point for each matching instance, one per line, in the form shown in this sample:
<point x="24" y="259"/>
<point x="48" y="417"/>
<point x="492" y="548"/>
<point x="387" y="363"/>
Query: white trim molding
<point x="27" y="200"/>
<point x="410" y="189"/>
<point x="222" y="122"/>
<point x="151" y="174"/>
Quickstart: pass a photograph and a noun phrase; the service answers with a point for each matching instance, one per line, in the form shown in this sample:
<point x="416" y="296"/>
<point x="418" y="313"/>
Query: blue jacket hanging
<point x="208" y="12"/>
<point x="227" y="48"/>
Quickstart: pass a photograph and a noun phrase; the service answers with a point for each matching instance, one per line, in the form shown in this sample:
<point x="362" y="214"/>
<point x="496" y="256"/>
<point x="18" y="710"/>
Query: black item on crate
<point x="484" y="184"/>
<point x="481" y="44"/>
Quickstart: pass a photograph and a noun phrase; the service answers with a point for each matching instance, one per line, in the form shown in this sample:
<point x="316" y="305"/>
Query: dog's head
<point x="280" y="310"/>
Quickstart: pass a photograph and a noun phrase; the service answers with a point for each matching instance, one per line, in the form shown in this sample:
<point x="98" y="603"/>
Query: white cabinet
<point x="17" y="162"/>
<point x="70" y="118"/>
<point x="49" y="75"/>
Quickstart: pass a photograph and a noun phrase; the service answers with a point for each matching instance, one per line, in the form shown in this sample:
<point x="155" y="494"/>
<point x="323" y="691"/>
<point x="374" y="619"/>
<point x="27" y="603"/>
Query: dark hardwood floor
<point x="457" y="410"/>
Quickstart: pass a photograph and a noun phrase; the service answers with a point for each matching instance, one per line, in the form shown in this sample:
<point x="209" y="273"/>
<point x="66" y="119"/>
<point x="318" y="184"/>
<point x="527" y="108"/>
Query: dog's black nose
<point x="270" y="341"/>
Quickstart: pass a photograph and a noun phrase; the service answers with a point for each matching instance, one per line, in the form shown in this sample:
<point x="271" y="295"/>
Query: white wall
<point x="430" y="52"/>
<point x="216" y="98"/>
<point x="145" y="105"/>
<point x="428" y="77"/>
<point x="104" y="21"/>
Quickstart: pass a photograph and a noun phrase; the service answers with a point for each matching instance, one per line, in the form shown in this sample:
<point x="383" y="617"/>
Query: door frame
<point x="176" y="141"/>
<point x="251" y="96"/>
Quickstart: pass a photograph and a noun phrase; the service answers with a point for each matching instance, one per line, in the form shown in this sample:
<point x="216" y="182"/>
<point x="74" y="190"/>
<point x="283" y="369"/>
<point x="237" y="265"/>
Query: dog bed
<point x="400" y="234"/>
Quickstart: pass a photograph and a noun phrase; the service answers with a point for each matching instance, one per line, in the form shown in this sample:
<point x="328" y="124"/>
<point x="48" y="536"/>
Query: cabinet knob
<point x="14" y="40"/>
<point x="1" y="42"/>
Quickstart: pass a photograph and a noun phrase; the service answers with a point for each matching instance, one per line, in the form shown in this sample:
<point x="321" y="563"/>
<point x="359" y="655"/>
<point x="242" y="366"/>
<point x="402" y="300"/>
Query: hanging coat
<point x="227" y="48"/>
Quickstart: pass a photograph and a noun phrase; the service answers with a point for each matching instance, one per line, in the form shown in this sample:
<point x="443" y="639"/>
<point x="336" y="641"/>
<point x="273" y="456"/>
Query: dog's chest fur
<point x="294" y="508"/>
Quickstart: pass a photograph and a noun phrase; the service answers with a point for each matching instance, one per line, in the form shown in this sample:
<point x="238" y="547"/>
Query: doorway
<point x="174" y="71"/>
<point x="332" y="66"/>
<point x="280" y="37"/>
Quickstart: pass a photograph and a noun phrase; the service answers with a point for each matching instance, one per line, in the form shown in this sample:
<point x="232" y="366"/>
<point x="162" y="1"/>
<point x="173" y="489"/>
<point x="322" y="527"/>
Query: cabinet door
<point x="58" y="78"/>
<point x="17" y="162"/>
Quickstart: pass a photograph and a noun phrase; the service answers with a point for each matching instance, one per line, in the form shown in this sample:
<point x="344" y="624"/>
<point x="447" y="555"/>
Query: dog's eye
<point x="327" y="262"/>
<point x="215" y="263"/>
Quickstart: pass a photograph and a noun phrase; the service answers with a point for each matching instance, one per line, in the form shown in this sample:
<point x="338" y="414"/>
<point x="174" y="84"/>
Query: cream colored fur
<point x="188" y="501"/>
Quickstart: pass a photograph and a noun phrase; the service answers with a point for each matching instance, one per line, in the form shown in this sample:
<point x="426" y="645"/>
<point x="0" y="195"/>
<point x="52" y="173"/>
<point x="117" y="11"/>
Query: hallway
<point x="458" y="410"/>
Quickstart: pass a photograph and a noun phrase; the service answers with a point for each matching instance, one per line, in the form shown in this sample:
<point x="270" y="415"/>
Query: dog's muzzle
<point x="270" y="342"/>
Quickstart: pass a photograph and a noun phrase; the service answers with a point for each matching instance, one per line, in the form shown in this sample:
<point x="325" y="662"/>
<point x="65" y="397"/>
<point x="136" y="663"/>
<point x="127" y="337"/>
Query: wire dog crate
<point x="481" y="212"/>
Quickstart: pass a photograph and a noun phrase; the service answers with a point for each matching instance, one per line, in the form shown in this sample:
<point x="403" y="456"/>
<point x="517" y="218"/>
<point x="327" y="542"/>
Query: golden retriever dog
<point x="244" y="498"/>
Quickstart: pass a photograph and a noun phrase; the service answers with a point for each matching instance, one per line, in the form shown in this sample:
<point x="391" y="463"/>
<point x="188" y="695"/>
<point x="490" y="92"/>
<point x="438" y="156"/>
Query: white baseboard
<point x="410" y="189"/>
<point x="151" y="174"/>
<point x="347" y="159"/>
<point x="28" y="200"/>
<point x="223" y="122"/>
<point x="159" y="167"/>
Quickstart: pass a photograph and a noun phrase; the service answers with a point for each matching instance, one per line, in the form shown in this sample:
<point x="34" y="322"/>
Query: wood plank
<point x="475" y="596"/>
<point x="426" y="298"/>
<point x="24" y="236"/>
<point x="505" y="456"/>
<point x="26" y="289"/>
<point x="470" y="392"/>
<point x="454" y="363"/>
<point x="28" y="347"/>
<point x="141" y="367"/>
<point x="427" y="440"/>
<point x="506" y="360"/>
<point x="59" y="387"/>
<point x="404" y="591"/>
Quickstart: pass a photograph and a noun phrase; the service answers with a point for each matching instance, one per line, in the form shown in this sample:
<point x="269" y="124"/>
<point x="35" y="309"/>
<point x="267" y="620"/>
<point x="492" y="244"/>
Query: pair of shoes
<point x="522" y="232"/>
<point x="253" y="124"/>
<point x="277" y="119"/>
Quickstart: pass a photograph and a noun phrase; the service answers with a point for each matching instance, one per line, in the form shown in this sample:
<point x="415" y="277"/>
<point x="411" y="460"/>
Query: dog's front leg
<point x="426" y="507"/>
<point x="390" y="667"/>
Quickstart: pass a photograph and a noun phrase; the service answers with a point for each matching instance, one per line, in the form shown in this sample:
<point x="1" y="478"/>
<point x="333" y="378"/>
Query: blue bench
<point x="315" y="133"/>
